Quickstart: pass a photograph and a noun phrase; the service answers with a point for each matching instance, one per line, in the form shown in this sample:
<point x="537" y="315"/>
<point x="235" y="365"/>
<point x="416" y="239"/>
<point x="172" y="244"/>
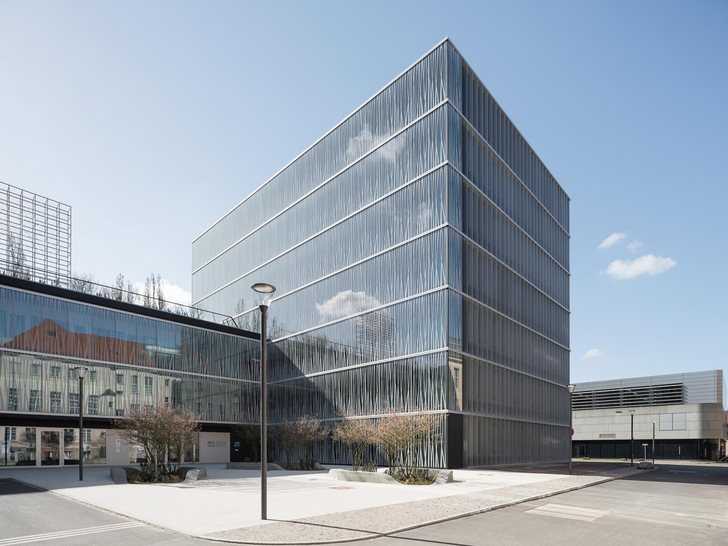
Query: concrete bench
<point x="443" y="476"/>
<point x="118" y="475"/>
<point x="356" y="476"/>
<point x="194" y="474"/>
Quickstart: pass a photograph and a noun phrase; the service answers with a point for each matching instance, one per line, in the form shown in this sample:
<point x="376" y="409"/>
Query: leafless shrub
<point x="401" y="435"/>
<point x="299" y="437"/>
<point x="160" y="430"/>
<point x="357" y="435"/>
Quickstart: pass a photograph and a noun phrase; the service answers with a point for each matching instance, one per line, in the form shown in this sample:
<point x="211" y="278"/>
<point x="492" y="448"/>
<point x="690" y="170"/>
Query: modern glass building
<point x="421" y="254"/>
<point x="136" y="358"/>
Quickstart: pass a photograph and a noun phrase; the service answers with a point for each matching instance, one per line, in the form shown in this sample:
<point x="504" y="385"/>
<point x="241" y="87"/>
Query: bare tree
<point x="117" y="292"/>
<point x="299" y="437"/>
<point x="130" y="296"/>
<point x="84" y="282"/>
<point x="357" y="434"/>
<point x="153" y="293"/>
<point x="161" y="431"/>
<point x="401" y="435"/>
<point x="16" y="266"/>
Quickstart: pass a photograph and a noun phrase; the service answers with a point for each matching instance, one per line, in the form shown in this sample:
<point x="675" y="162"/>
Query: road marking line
<point x="568" y="512"/>
<point x="70" y="533"/>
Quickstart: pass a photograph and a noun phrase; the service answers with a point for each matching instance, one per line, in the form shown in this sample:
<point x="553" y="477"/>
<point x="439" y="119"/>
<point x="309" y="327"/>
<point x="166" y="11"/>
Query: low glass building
<point x="421" y="254"/>
<point x="136" y="357"/>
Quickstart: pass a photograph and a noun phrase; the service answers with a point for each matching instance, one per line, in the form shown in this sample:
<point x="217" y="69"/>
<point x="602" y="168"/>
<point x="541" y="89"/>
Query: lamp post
<point x="631" y="437"/>
<point x="268" y="290"/>
<point x="653" y="442"/>
<point x="81" y="372"/>
<point x="571" y="423"/>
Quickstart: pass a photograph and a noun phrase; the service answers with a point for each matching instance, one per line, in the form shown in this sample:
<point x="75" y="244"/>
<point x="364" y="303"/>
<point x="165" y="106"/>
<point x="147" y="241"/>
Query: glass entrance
<point x="18" y="446"/>
<point x="50" y="447"/>
<point x="70" y="446"/>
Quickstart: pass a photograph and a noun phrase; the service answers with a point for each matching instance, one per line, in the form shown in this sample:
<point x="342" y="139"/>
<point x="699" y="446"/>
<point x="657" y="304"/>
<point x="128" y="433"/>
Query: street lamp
<point x="631" y="437"/>
<point x="81" y="372"/>
<point x="571" y="423"/>
<point x="268" y="290"/>
<point x="653" y="442"/>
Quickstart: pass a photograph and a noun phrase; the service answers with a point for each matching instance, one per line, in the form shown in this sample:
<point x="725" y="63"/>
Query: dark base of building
<point x="664" y="449"/>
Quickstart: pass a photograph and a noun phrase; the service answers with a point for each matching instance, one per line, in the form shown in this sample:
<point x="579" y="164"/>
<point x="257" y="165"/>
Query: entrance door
<point x="50" y="447"/>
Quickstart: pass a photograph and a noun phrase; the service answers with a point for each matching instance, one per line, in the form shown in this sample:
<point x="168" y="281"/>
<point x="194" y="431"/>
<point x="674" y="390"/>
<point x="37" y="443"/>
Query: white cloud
<point x="592" y="353"/>
<point x="613" y="239"/>
<point x="423" y="216"/>
<point x="644" y="265"/>
<point x="366" y="140"/>
<point x="346" y="303"/>
<point x="172" y="292"/>
<point x="634" y="246"/>
<point x="176" y="294"/>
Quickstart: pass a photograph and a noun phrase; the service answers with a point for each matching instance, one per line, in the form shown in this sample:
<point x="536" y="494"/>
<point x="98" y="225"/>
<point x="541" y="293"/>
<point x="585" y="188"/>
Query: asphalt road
<point x="672" y="505"/>
<point x="29" y="515"/>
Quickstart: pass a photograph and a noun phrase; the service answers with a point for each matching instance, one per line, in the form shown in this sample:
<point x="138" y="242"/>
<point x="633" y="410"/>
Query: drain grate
<point x="341" y="487"/>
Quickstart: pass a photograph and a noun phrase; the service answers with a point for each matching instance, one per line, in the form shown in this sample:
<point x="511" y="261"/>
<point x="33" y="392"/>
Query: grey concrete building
<point x="686" y="413"/>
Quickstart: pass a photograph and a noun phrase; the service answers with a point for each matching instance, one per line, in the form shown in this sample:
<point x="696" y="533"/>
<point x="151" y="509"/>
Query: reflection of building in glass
<point x="35" y="236"/>
<point x="375" y="334"/>
<point x="136" y="358"/>
<point x="421" y="252"/>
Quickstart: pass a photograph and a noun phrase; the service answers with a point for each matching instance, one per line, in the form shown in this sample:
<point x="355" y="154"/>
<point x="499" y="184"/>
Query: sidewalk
<point x="303" y="507"/>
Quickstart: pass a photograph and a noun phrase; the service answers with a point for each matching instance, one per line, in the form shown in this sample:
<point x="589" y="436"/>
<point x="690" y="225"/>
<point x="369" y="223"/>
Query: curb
<point x="424" y="523"/>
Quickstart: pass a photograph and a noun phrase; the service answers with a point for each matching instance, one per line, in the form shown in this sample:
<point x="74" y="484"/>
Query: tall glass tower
<point x="421" y="254"/>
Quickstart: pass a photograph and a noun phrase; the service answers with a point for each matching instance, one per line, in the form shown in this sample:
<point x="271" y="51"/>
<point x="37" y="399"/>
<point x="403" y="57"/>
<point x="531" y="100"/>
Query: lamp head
<point x="81" y="371"/>
<point x="631" y="412"/>
<point x="571" y="388"/>
<point x="265" y="289"/>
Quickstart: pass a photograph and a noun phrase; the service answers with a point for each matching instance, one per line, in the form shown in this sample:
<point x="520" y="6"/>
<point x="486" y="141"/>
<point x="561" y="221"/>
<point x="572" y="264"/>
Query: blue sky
<point x="169" y="113"/>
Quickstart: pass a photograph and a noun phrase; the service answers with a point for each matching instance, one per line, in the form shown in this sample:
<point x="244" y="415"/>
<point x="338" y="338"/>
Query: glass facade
<point x="421" y="254"/>
<point x="134" y="361"/>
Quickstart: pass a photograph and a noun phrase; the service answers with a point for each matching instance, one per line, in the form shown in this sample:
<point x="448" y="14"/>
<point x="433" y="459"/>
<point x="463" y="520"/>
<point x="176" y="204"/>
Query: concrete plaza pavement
<point x="305" y="507"/>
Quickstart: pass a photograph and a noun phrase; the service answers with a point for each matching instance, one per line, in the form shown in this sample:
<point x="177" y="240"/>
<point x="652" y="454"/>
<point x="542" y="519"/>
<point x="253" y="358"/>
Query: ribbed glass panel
<point x="494" y="232"/>
<point x="432" y="452"/>
<point x="411" y="95"/>
<point x="412" y="153"/>
<point x="490" y="121"/>
<point x="479" y="275"/>
<point x="488" y="172"/>
<point x="407" y="270"/>
<point x="478" y="331"/>
<point x="411" y="384"/>
<point x="414" y="209"/>
<point x="406" y="328"/>
<point x="501" y="441"/>
<point x="454" y="77"/>
<point x="494" y="391"/>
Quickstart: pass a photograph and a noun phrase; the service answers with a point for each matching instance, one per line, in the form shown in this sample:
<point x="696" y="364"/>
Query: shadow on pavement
<point x="9" y="486"/>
